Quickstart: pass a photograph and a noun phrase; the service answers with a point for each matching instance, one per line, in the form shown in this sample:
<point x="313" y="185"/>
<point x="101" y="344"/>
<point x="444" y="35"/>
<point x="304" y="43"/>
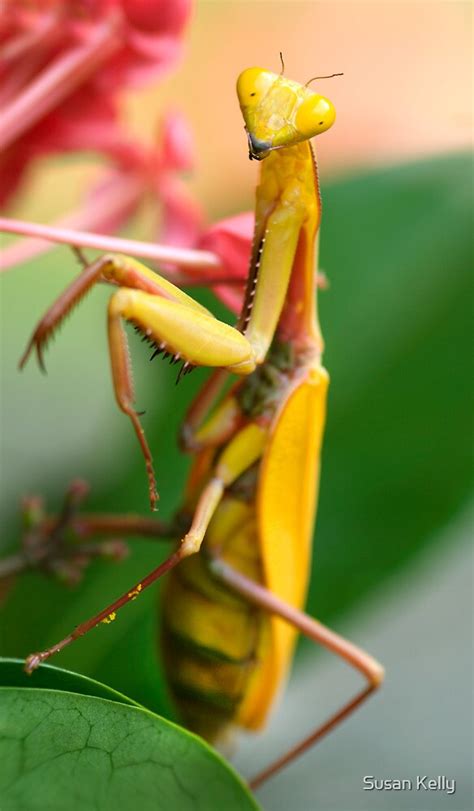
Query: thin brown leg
<point x="89" y="525"/>
<point x="107" y="615"/>
<point x="205" y="509"/>
<point x="123" y="387"/>
<point x="80" y="256"/>
<point x="319" y="633"/>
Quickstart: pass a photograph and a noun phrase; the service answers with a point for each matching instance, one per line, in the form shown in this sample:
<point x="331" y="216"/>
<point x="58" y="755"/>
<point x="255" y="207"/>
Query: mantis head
<point x="279" y="112"/>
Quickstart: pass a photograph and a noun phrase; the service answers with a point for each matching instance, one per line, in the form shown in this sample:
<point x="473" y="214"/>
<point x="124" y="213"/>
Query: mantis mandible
<point x="231" y="612"/>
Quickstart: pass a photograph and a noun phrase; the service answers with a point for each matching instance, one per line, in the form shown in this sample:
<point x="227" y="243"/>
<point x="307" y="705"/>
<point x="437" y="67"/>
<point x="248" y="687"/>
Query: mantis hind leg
<point x="317" y="632"/>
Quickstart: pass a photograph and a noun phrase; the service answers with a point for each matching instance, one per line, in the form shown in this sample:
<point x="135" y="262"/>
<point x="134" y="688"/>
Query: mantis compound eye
<point x="252" y="86"/>
<point x="316" y="114"/>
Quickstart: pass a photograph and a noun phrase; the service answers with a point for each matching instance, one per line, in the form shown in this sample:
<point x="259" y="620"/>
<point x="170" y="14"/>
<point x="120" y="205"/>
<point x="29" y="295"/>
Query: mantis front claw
<point x="167" y="318"/>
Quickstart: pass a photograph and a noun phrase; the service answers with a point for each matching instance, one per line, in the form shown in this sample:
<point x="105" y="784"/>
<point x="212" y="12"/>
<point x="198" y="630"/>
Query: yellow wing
<point x="286" y="509"/>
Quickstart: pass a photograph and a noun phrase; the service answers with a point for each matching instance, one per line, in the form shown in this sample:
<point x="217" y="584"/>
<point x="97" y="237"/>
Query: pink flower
<point x="152" y="32"/>
<point x="63" y="62"/>
<point x="63" y="65"/>
<point x="182" y="218"/>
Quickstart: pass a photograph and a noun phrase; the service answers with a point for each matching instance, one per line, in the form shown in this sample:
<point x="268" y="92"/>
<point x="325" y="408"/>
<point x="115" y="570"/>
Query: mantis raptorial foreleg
<point x="178" y="326"/>
<point x="168" y="318"/>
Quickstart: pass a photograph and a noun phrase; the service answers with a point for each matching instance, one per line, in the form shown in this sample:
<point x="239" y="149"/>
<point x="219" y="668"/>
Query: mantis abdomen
<point x="216" y="642"/>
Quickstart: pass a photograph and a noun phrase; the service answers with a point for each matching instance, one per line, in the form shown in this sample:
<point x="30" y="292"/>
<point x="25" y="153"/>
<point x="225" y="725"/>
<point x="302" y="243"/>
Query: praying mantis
<point x="255" y="431"/>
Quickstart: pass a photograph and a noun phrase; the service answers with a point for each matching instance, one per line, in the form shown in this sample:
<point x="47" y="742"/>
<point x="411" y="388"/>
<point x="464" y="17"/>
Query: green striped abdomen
<point x="213" y="640"/>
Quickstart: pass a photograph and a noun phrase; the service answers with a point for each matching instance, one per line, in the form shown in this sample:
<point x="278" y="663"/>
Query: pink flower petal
<point x="177" y="142"/>
<point x="104" y="46"/>
<point x="231" y="241"/>
<point x="160" y="16"/>
<point x="182" y="217"/>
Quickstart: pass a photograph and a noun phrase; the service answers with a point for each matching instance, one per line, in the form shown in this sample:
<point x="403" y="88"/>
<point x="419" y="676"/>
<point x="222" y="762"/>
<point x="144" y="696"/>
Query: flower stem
<point x="183" y="257"/>
<point x="106" y="211"/>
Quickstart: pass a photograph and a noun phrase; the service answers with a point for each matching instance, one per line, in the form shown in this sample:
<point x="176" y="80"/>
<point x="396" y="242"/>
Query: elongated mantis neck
<point x="299" y="321"/>
<point x="281" y="289"/>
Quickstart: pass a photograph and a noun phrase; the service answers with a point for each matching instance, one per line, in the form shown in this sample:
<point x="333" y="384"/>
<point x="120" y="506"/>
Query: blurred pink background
<point x="406" y="91"/>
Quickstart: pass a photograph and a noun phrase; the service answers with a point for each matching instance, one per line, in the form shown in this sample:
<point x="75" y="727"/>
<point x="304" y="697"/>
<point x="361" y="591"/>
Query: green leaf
<point x="67" y="752"/>
<point x="12" y="674"/>
<point x="397" y="247"/>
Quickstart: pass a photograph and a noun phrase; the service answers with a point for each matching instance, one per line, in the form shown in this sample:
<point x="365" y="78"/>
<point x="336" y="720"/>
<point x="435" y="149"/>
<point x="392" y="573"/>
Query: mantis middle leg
<point x="239" y="455"/>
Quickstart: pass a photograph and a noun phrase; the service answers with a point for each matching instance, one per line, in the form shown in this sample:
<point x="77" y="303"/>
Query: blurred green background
<point x="391" y="561"/>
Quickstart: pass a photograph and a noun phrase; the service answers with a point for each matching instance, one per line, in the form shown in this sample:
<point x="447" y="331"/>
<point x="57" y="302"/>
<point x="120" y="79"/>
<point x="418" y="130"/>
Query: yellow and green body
<point x="226" y="659"/>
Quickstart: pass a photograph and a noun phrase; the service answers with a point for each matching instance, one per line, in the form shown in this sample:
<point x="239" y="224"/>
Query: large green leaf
<point x="68" y="752"/>
<point x="396" y="245"/>
<point x="12" y="674"/>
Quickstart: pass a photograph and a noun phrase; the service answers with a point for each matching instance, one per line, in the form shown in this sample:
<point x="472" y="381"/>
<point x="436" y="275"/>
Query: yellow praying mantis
<point x="231" y="612"/>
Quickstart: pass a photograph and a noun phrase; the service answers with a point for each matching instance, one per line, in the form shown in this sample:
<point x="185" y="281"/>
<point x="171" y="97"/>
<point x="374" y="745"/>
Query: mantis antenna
<point x="331" y="76"/>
